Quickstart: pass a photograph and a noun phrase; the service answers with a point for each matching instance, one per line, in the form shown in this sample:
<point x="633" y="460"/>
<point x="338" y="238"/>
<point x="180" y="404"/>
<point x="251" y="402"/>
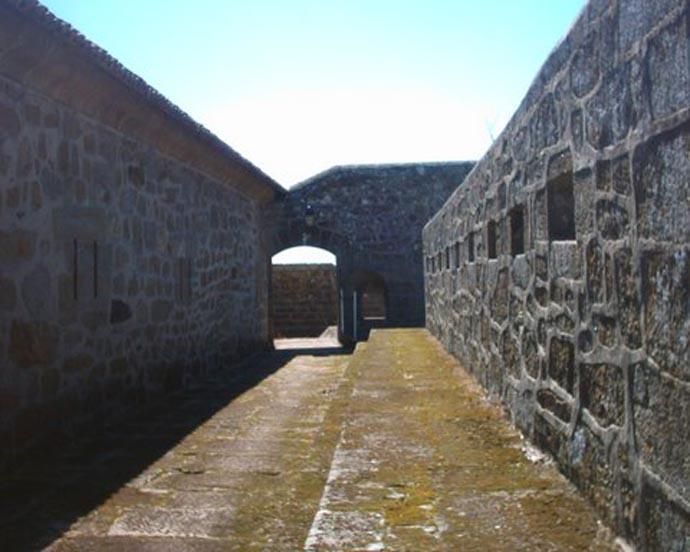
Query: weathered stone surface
<point x="17" y="246"/>
<point x="668" y="67"/>
<point x="584" y="69"/>
<point x="305" y="300"/>
<point x="160" y="311"/>
<point x="602" y="392"/>
<point x="561" y="367"/>
<point x="8" y="294"/>
<point x="607" y="207"/>
<point x="77" y="364"/>
<point x="553" y="403"/>
<point x="607" y="124"/>
<point x="119" y="311"/>
<point x="627" y="277"/>
<point x="37" y="293"/>
<point x="665" y="281"/>
<point x="613" y="221"/>
<point x="660" y="169"/>
<point x="33" y="343"/>
<point x="661" y="407"/>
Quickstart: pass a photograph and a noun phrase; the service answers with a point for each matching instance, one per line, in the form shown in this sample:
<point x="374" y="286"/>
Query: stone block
<point x="636" y="18"/>
<point x="591" y="470"/>
<point x="666" y="304"/>
<point x="611" y="112"/>
<point x="664" y="525"/>
<point x="602" y="392"/>
<point x="37" y="293"/>
<point x="558" y="406"/>
<point x="595" y="271"/>
<point x="119" y="311"/>
<point x="8" y="294"/>
<point x="668" y="65"/>
<point x="160" y="311"/>
<point x="660" y="172"/>
<point x="584" y="67"/>
<point x="628" y="301"/>
<point x="561" y="364"/>
<point x="544" y="127"/>
<point x="16" y="246"/>
<point x="604" y="327"/>
<point x="33" y="343"/>
<point x="9" y="122"/>
<point x="613" y="221"/>
<point x="661" y="409"/>
<point x="77" y="364"/>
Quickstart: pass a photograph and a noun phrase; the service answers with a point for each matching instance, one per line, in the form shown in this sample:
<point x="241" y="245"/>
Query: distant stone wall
<point x="124" y="271"/>
<point x="559" y="272"/>
<point x="304" y="299"/>
<point x="371" y="218"/>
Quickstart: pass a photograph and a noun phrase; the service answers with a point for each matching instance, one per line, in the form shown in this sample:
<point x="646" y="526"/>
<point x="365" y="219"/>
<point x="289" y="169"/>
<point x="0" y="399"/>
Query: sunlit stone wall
<point x="559" y="272"/>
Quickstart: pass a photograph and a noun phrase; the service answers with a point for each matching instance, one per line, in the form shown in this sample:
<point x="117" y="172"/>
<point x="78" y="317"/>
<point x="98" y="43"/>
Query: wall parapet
<point x="559" y="273"/>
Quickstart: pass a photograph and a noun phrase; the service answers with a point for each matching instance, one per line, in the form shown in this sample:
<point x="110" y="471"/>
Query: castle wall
<point x="304" y="299"/>
<point x="371" y="218"/>
<point x="559" y="272"/>
<point x="125" y="271"/>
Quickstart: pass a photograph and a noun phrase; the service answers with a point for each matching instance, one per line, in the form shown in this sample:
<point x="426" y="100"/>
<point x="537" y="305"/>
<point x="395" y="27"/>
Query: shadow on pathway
<point x="45" y="496"/>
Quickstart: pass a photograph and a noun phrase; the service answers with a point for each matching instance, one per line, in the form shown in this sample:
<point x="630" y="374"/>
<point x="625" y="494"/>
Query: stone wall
<point x="559" y="272"/>
<point x="304" y="299"/>
<point x="371" y="218"/>
<point x="126" y="269"/>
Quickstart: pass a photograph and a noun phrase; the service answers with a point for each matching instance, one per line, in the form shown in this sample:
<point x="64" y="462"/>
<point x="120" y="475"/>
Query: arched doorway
<point x="304" y="293"/>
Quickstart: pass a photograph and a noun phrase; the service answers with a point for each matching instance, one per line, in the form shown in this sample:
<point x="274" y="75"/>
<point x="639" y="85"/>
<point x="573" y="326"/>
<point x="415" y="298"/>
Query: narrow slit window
<point x="517" y="230"/>
<point x="470" y="247"/>
<point x="75" y="269"/>
<point x="457" y="254"/>
<point x="95" y="269"/>
<point x="561" y="208"/>
<point x="447" y="258"/>
<point x="491" y="239"/>
<point x="440" y="261"/>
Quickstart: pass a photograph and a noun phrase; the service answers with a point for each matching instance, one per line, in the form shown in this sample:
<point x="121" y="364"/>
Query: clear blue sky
<point x="298" y="86"/>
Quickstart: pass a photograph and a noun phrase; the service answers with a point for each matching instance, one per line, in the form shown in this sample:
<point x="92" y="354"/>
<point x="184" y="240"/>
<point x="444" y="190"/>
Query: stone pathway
<point x="392" y="448"/>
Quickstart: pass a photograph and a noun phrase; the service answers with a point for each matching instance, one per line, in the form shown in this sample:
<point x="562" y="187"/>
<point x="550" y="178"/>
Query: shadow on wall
<point x="40" y="501"/>
<point x="371" y="302"/>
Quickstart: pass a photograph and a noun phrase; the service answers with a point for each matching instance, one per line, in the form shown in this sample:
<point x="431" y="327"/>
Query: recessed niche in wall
<point x="470" y="247"/>
<point x="561" y="207"/>
<point x="517" y="230"/>
<point x="491" y="239"/>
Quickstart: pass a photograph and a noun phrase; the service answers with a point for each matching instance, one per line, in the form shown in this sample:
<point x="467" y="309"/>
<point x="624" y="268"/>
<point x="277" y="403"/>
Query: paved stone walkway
<point x="392" y="448"/>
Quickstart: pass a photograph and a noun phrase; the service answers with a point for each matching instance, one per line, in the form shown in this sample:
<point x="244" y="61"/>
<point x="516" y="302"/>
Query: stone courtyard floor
<point x="307" y="448"/>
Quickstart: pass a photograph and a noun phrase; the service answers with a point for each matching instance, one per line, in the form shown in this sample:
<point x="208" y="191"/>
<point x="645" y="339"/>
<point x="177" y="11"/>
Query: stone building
<point x="135" y="246"/>
<point x="370" y="217"/>
<point x="559" y="273"/>
<point x="130" y="250"/>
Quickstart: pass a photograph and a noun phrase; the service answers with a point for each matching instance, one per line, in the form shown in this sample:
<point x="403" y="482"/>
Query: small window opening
<point x="75" y="269"/>
<point x="470" y="247"/>
<point x="433" y="264"/>
<point x="491" y="239"/>
<point x="561" y="208"/>
<point x="440" y="261"/>
<point x="456" y="248"/>
<point x="447" y="258"/>
<point x="517" y="230"/>
<point x="95" y="269"/>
